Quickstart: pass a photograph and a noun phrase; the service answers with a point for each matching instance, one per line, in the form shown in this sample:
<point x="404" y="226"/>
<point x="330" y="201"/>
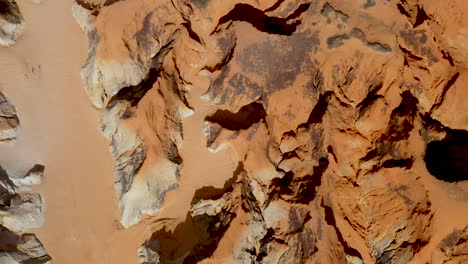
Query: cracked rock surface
<point x="345" y="124"/>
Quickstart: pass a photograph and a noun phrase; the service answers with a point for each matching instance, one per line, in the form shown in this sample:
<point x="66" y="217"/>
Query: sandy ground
<point x="60" y="129"/>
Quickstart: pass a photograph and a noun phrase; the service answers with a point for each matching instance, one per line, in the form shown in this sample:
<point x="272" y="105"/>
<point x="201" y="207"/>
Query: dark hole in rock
<point x="447" y="159"/>
<point x="258" y="19"/>
<point x="243" y="119"/>
<point x="420" y="17"/>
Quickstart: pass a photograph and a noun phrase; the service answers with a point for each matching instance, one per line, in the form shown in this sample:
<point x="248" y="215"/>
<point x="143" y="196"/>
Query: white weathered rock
<point x="11" y="22"/>
<point x="19" y="212"/>
<point x="25" y="212"/>
<point x="9" y="122"/>
<point x="32" y="177"/>
<point x="28" y="250"/>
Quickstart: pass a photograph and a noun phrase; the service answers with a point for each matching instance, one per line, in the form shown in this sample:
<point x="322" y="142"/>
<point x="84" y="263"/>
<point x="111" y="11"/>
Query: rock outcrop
<point x="19" y="211"/>
<point x="345" y="120"/>
<point x="9" y="122"/>
<point x="144" y="101"/>
<point x="11" y="22"/>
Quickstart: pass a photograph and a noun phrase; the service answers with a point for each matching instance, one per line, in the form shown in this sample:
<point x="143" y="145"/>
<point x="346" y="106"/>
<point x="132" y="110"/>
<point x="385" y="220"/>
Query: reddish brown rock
<point x="346" y="121"/>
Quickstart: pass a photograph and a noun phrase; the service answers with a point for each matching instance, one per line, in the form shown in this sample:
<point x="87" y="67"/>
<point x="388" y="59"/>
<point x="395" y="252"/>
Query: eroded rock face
<point x="11" y="22"/>
<point x="143" y="97"/>
<point x="19" y="211"/>
<point x="9" y="122"/>
<point x="333" y="110"/>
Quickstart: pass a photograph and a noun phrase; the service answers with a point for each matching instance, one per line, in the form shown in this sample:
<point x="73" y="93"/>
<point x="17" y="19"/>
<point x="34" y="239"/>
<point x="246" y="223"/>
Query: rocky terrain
<point x="20" y="211"/>
<point x="9" y="123"/>
<point x="272" y="132"/>
<point x="346" y="120"/>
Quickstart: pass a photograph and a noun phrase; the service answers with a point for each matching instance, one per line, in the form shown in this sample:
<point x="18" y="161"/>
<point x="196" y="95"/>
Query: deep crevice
<point x="224" y="62"/>
<point x="446" y="55"/>
<point x="371" y="97"/>
<point x="196" y="238"/>
<point x="320" y="108"/>
<point x="402" y="118"/>
<point x="410" y="55"/>
<point x="330" y="219"/>
<point x="243" y="119"/>
<point x="431" y="123"/>
<point x="302" y="189"/>
<point x="191" y="33"/>
<point x="400" y="163"/>
<point x="262" y="22"/>
<point x="269" y="236"/>
<point x="308" y="186"/>
<point x="420" y="17"/>
<point x="402" y="10"/>
<point x="135" y="93"/>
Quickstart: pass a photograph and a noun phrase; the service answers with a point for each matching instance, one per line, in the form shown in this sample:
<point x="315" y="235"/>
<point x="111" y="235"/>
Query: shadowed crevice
<point x="243" y="119"/>
<point x="212" y="193"/>
<point x="400" y="163"/>
<point x="330" y="220"/>
<point x="402" y="118"/>
<point x="191" y="33"/>
<point x="320" y="108"/>
<point x="262" y="22"/>
<point x="198" y="236"/>
<point x="302" y="190"/>
<point x="134" y="94"/>
<point x="420" y="17"/>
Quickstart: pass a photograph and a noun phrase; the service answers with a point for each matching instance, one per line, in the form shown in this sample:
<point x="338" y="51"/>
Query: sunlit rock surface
<point x="20" y="211"/>
<point x="347" y="122"/>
